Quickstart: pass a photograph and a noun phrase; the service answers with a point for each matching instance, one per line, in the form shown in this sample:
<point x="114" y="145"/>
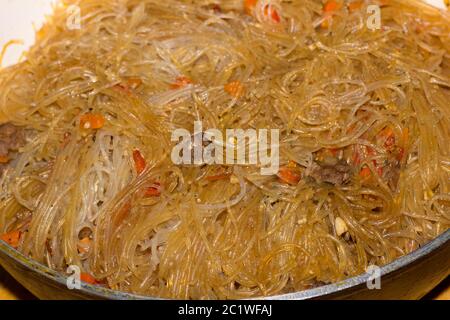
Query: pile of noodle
<point x="323" y="87"/>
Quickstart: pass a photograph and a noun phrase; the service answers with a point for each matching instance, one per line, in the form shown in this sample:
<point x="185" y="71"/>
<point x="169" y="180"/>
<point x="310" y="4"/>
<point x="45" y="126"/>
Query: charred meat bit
<point x="338" y="174"/>
<point x="11" y="139"/>
<point x="391" y="174"/>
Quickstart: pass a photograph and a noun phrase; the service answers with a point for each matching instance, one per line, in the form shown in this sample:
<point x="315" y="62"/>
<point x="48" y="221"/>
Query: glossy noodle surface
<point x="364" y="121"/>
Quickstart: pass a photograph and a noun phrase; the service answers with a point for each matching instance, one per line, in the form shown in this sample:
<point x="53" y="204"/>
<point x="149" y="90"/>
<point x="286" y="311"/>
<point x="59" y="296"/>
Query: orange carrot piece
<point x="401" y="153"/>
<point x="380" y="170"/>
<point x="289" y="175"/>
<point x="333" y="151"/>
<point x="152" y="191"/>
<point x="365" y="173"/>
<point x="355" y="5"/>
<point x="328" y="9"/>
<point x="84" y="245"/>
<point x="370" y="151"/>
<point x="387" y="132"/>
<point x="235" y="88"/>
<point x="86" y="277"/>
<point x="92" y="121"/>
<point x="405" y="136"/>
<point x="356" y="158"/>
<point x="4" y="159"/>
<point x="139" y="161"/>
<point x="273" y="13"/>
<point x="389" y="138"/>
<point x="181" y="82"/>
<point x="331" y="6"/>
<point x="249" y="5"/>
<point x="12" y="238"/>
<point x="140" y="165"/>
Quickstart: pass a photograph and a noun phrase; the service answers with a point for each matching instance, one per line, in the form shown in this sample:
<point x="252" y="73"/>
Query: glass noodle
<point x="228" y="231"/>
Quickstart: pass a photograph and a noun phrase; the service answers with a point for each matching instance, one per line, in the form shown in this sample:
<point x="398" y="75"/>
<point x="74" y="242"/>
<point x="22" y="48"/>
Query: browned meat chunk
<point x="391" y="174"/>
<point x="337" y="174"/>
<point x="11" y="139"/>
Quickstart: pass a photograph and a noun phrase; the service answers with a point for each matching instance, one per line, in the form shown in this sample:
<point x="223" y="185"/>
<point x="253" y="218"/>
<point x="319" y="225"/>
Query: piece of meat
<point x="11" y="139"/>
<point x="391" y="173"/>
<point x="337" y="174"/>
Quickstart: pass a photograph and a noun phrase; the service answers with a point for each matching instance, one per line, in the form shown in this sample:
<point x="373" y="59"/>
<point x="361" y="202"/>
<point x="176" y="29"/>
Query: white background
<point x="20" y="18"/>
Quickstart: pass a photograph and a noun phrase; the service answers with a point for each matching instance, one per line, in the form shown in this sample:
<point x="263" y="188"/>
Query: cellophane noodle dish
<point x="87" y="115"/>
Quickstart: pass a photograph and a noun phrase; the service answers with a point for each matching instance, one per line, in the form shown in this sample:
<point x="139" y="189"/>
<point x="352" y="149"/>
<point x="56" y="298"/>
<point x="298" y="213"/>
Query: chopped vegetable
<point x="340" y="226"/>
<point x="289" y="175"/>
<point x="181" y="82"/>
<point x="153" y="191"/>
<point x="235" y="88"/>
<point x="249" y="5"/>
<point x="92" y="121"/>
<point x="359" y="154"/>
<point x="355" y="5"/>
<point x="12" y="238"/>
<point x="140" y="165"/>
<point x="379" y="170"/>
<point x="371" y="152"/>
<point x="331" y="6"/>
<point x="405" y="136"/>
<point x="269" y="11"/>
<point x="389" y="138"/>
<point x="4" y="159"/>
<point x="333" y="151"/>
<point x="139" y="161"/>
<point x="84" y="245"/>
<point x="391" y="144"/>
<point x="328" y="10"/>
<point x="365" y="173"/>
<point x="86" y="277"/>
<point x="400" y="154"/>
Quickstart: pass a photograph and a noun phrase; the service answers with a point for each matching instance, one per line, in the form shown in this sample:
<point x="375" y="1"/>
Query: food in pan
<point x="358" y="90"/>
